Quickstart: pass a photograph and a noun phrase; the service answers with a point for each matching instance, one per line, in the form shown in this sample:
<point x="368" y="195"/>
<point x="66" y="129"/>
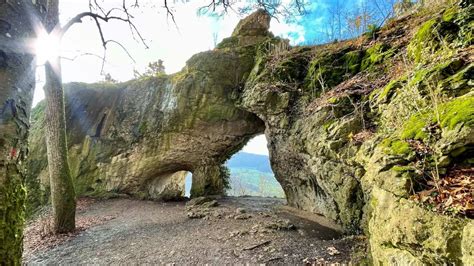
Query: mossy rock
<point x="439" y="36"/>
<point x="459" y="83"/>
<point x="384" y="95"/>
<point x="401" y="232"/>
<point x="122" y="136"/>
<point x="396" y="147"/>
<point x="330" y="68"/>
<point x="376" y="55"/>
<point x="450" y="114"/>
<point x="352" y="61"/>
<point x="424" y="40"/>
<point x="229" y="42"/>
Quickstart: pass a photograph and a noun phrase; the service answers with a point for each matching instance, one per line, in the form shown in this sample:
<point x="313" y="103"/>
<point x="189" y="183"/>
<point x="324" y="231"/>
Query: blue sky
<point x="321" y="14"/>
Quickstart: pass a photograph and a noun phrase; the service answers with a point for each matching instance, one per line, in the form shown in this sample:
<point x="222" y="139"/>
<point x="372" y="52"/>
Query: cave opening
<point x="250" y="172"/>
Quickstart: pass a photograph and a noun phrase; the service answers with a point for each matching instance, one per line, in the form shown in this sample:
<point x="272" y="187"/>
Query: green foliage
<point x="372" y="31"/>
<point x="154" y="69"/>
<point x="225" y="175"/>
<point x="108" y="79"/>
<point x="38" y="111"/>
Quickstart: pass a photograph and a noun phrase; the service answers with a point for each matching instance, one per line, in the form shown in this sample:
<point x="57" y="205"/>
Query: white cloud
<point x="257" y="145"/>
<point x="287" y="31"/>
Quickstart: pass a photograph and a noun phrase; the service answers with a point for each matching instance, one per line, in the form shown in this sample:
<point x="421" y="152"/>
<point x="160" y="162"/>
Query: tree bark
<point x="17" y="82"/>
<point x="62" y="188"/>
<point x="63" y="196"/>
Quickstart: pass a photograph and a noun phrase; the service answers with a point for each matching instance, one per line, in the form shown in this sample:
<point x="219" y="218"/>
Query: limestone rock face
<point x="354" y="131"/>
<point x="168" y="187"/>
<point x="310" y="152"/>
<point x="419" y="238"/>
<point x="250" y="31"/>
<point x="137" y="137"/>
<point x="257" y="24"/>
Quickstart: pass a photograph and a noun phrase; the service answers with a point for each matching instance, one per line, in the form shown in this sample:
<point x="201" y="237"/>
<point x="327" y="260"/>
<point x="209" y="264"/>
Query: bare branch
<point x="81" y="55"/>
<point x="98" y="15"/>
<point x="169" y="13"/>
<point x="123" y="48"/>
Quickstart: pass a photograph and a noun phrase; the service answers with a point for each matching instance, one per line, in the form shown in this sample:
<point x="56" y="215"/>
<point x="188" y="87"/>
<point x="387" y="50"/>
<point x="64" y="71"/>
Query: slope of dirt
<point x="239" y="230"/>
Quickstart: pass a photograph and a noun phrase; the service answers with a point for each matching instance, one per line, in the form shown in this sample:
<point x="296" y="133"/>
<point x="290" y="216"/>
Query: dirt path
<point x="239" y="230"/>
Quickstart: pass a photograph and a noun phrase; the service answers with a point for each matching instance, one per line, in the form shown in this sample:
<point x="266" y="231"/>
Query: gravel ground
<point x="239" y="230"/>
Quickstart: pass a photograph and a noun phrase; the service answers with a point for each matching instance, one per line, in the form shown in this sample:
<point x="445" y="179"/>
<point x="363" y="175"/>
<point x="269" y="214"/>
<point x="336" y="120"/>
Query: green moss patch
<point x="384" y="94"/>
<point x="423" y="39"/>
<point x="396" y="147"/>
<point x="414" y="128"/>
<point x="376" y="54"/>
<point x="352" y="61"/>
<point x="457" y="111"/>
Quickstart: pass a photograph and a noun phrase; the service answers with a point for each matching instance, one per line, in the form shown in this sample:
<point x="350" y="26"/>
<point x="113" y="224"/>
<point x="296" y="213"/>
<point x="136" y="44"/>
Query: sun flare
<point x="47" y="47"/>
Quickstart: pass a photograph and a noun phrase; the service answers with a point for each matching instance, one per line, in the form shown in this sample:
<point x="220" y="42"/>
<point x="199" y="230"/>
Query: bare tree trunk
<point x="63" y="196"/>
<point x="17" y="81"/>
<point x="62" y="188"/>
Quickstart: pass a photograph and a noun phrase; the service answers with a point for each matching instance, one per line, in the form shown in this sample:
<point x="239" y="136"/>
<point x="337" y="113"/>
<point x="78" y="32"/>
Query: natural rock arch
<point x="325" y="145"/>
<point x="139" y="136"/>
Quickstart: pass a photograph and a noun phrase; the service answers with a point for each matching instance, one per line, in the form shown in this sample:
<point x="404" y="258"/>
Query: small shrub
<point x="372" y="31"/>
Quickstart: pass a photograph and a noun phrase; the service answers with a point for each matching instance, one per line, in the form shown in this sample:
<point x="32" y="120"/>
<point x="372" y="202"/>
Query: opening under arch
<point x="250" y="172"/>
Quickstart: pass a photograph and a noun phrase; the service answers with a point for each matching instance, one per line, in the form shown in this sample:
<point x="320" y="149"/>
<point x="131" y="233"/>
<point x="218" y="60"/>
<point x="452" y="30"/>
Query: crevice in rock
<point x="100" y="126"/>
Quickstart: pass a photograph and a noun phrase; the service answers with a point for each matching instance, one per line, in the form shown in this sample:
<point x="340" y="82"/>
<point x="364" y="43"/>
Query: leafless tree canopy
<point x="122" y="12"/>
<point x="275" y="7"/>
